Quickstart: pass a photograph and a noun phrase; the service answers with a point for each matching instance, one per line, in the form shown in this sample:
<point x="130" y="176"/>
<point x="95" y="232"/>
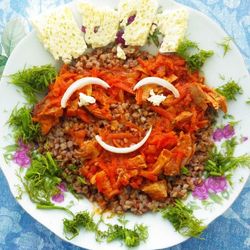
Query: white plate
<point x="161" y="234"/>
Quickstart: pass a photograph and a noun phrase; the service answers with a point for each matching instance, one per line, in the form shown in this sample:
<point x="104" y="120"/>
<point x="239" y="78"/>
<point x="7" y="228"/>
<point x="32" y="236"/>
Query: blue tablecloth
<point x="230" y="232"/>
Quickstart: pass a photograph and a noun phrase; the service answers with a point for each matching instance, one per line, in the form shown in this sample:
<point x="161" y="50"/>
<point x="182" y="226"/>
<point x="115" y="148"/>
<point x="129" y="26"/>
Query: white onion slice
<point x="158" y="81"/>
<point x="80" y="84"/>
<point x="124" y="150"/>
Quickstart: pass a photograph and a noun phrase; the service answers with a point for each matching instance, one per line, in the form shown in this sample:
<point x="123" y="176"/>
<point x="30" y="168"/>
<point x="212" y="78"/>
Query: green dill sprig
<point x="22" y="125"/>
<point x="183" y="220"/>
<point x="194" y="56"/>
<point x="81" y="220"/>
<point x="196" y="61"/>
<point x="34" y="81"/>
<point x="222" y="162"/>
<point x="185" y="47"/>
<point x="130" y="237"/>
<point x="155" y="37"/>
<point x="230" y="90"/>
<point x="41" y="179"/>
<point x="225" y="44"/>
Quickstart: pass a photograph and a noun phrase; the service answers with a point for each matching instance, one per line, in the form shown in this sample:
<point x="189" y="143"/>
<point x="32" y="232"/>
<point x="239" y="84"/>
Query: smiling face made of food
<point x="130" y="127"/>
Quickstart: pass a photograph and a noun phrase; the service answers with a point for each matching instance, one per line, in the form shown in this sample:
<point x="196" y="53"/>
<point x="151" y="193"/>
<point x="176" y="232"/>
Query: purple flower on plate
<point x="218" y="134"/>
<point x="131" y="19"/>
<point x="62" y="187"/>
<point x="119" y="39"/>
<point x="21" y="155"/>
<point x="216" y="184"/>
<point x="228" y="131"/>
<point x="58" y="197"/>
<point x="223" y="133"/>
<point x="21" y="158"/>
<point x="23" y="146"/>
<point x="200" y="192"/>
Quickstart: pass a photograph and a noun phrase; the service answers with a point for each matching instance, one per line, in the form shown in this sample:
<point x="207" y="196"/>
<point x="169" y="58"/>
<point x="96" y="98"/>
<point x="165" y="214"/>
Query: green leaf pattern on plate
<point x="3" y="60"/>
<point x="13" y="32"/>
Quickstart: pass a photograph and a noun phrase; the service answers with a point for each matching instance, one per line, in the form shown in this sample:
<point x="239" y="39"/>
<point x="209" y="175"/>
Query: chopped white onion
<point x="124" y="150"/>
<point x="156" y="100"/>
<point x="80" y="84"/>
<point x="85" y="100"/>
<point x="158" y="81"/>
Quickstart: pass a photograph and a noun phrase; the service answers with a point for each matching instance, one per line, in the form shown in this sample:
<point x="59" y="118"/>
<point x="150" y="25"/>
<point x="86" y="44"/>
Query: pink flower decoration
<point x="228" y="131"/>
<point x="58" y="197"/>
<point x="224" y="133"/>
<point x="21" y="158"/>
<point x="21" y="155"/>
<point x="216" y="184"/>
<point x="23" y="146"/>
<point x="62" y="187"/>
<point x="200" y="192"/>
<point x="218" y="134"/>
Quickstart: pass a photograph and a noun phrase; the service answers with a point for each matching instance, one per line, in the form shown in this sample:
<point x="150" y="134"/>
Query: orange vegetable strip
<point x="120" y="136"/>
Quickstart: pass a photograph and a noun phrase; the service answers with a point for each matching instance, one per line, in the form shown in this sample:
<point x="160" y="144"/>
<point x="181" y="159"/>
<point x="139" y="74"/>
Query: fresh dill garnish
<point x="41" y="179"/>
<point x="183" y="220"/>
<point x="185" y="170"/>
<point x="34" y="81"/>
<point x="223" y="162"/>
<point x="131" y="237"/>
<point x="80" y="220"/>
<point x="53" y="207"/>
<point x="241" y="179"/>
<point x="154" y="38"/>
<point x="222" y="77"/>
<point x="20" y="192"/>
<point x="22" y="125"/>
<point x="233" y="123"/>
<point x="228" y="116"/>
<point x="225" y="44"/>
<point x="194" y="56"/>
<point x="196" y="61"/>
<point x="229" y="146"/>
<point x="230" y="90"/>
<point x="185" y="47"/>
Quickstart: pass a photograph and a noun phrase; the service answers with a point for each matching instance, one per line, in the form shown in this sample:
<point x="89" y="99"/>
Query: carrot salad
<point x="171" y="143"/>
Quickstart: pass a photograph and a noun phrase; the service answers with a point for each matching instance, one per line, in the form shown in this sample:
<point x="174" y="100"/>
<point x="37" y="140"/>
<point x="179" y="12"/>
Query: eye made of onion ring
<point x="80" y="84"/>
<point x="158" y="81"/>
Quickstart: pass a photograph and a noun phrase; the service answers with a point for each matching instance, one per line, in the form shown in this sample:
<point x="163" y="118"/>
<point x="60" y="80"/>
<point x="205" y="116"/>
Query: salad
<point x="127" y="129"/>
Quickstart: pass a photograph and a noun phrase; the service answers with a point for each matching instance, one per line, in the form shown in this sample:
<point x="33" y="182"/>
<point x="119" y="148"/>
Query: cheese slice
<point x="101" y="25"/>
<point x="60" y="34"/>
<point x="173" y="25"/>
<point x="136" y="33"/>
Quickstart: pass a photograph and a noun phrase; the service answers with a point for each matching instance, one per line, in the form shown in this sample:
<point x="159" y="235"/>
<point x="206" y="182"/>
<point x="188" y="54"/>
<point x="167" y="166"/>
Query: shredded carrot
<point x="120" y="136"/>
<point x="174" y="124"/>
